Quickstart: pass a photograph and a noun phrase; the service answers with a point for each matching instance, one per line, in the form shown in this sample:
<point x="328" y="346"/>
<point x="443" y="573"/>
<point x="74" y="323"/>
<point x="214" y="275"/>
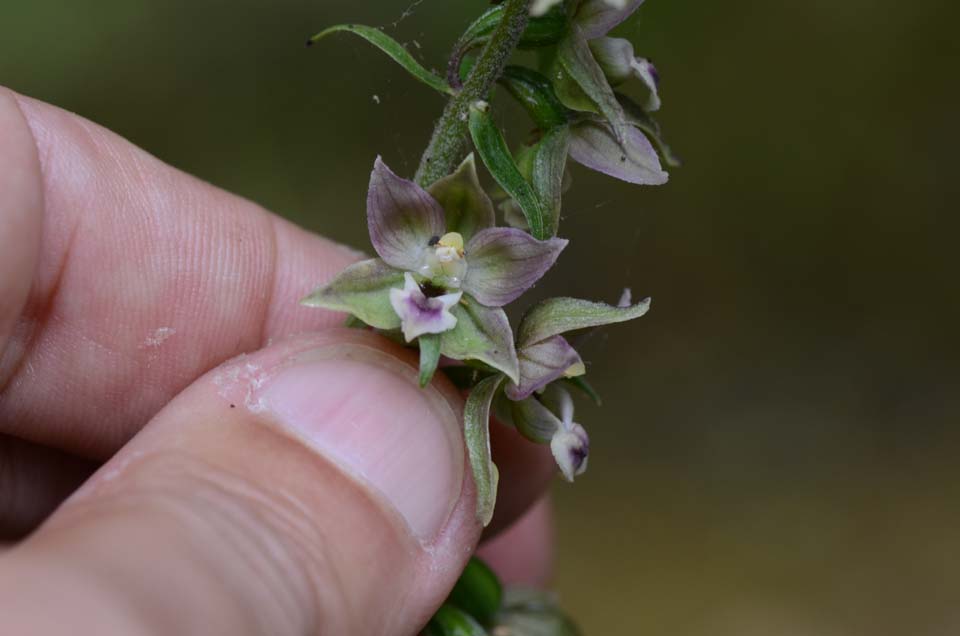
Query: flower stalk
<point x="448" y="142"/>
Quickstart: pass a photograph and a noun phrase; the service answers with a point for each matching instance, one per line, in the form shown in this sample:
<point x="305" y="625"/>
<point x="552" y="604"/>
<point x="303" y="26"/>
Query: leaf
<point x="634" y="159"/>
<point x="401" y="218"/>
<point x="391" y="47"/>
<point x="496" y="156"/>
<point x="484" y="334"/>
<point x="549" y="165"/>
<point x="555" y="316"/>
<point x="542" y="30"/>
<point x="451" y="621"/>
<point x="476" y="420"/>
<point x="535" y="94"/>
<point x="468" y="208"/>
<point x="543" y="362"/>
<point x="576" y="60"/>
<point x="477" y="592"/>
<point x="362" y="289"/>
<point x="429" y="356"/>
<point x="505" y="262"/>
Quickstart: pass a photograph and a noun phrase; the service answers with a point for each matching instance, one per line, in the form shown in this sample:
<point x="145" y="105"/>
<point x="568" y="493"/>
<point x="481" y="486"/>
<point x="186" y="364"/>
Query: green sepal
<point x="352" y="322"/>
<point x="555" y="316"/>
<point x="478" y="592"/>
<point x="476" y="422"/>
<point x="529" y="416"/>
<point x="483" y="334"/>
<point x="363" y="290"/>
<point x="429" y="357"/>
<point x="640" y="118"/>
<point x="586" y="388"/>
<point x="548" y="165"/>
<point x="466" y="205"/>
<point x="576" y="68"/>
<point x="451" y="621"/>
<point x="394" y="49"/>
<point x="535" y="94"/>
<point x="498" y="160"/>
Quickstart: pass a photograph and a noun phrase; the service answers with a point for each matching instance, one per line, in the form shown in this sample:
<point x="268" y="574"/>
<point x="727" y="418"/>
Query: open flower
<point x="419" y="313"/>
<point x="619" y="63"/>
<point x="443" y="268"/>
<point x="570" y="444"/>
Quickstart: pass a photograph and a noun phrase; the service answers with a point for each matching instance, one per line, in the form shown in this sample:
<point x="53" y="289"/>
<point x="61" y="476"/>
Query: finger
<point x="309" y="488"/>
<point x="523" y="553"/>
<point x="147" y="278"/>
<point x="21" y="208"/>
<point x="34" y="480"/>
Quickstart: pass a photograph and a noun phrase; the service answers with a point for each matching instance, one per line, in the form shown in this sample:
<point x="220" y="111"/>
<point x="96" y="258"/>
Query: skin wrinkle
<point x="222" y="507"/>
<point x="236" y="247"/>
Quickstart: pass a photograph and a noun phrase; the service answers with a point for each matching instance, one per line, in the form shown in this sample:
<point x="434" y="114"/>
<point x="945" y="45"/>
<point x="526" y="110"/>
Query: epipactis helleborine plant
<point x="446" y="270"/>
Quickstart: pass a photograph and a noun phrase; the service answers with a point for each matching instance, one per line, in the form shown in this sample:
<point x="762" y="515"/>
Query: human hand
<point x="306" y="487"/>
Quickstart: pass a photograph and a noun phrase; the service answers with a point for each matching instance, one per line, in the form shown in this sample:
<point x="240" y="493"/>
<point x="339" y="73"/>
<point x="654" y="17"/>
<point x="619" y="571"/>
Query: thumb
<point x="309" y="488"/>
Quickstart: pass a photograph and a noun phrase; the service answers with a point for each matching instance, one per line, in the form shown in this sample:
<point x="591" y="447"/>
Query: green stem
<point x="449" y="140"/>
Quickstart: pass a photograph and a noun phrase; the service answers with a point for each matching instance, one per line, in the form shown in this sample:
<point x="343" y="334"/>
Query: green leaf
<point x="542" y="30"/>
<point x="468" y="208"/>
<point x="362" y="289"/>
<point x="534" y="92"/>
<point x="429" y="356"/>
<point x="496" y="156"/>
<point x="394" y="49"/>
<point x="549" y="164"/>
<point x="478" y="592"/>
<point x="476" y="421"/>
<point x="484" y="334"/>
<point x="450" y="621"/>
<point x="555" y="316"/>
<point x="575" y="60"/>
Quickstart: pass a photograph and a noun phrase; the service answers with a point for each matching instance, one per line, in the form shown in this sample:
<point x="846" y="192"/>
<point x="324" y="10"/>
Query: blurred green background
<point x="777" y="454"/>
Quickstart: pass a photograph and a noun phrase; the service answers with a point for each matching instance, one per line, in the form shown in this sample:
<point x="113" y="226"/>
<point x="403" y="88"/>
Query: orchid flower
<point x="444" y="268"/>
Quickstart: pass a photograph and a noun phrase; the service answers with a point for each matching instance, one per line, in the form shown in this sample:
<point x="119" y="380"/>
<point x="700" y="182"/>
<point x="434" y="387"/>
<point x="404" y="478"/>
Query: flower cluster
<point x="445" y="269"/>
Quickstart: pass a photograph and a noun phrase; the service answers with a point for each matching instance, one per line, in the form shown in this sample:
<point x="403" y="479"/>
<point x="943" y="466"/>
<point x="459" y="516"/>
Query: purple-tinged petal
<point x="401" y="218"/>
<point x="543" y="362"/>
<point x="647" y="73"/>
<point x="593" y="145"/>
<point x="420" y="314"/>
<point x="615" y="56"/>
<point x="598" y="17"/>
<point x="504" y="262"/>
<point x="570" y="447"/>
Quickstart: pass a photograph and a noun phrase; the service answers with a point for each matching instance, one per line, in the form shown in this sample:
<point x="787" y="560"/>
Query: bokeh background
<point x="777" y="453"/>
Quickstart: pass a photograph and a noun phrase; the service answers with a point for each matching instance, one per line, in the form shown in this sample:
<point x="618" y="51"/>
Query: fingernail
<point x="363" y="410"/>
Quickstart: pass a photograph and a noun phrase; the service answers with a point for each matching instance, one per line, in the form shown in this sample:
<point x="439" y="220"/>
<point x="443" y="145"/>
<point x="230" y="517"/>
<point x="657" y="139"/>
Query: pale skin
<point x="127" y="289"/>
